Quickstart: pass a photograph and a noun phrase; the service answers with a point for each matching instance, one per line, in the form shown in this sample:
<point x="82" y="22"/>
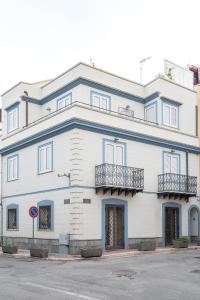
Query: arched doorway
<point x="193" y="223"/>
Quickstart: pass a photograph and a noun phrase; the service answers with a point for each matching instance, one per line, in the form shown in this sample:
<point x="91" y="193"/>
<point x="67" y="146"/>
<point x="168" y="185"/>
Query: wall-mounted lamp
<point x="48" y="109"/>
<point x="116" y="140"/>
<point x="65" y="175"/>
<point x="172" y="151"/>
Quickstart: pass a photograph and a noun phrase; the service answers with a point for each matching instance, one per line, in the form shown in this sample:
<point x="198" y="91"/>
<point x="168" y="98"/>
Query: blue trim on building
<point x="115" y="202"/>
<point x="46" y="203"/>
<point x="189" y="219"/>
<point x="151" y="97"/>
<point x="155" y="104"/>
<point x="10" y="107"/>
<point x="38" y="158"/>
<point x="171" y="205"/>
<point x="63" y="97"/>
<point x="93" y="127"/>
<point x="114" y="142"/>
<point x="8" y="110"/>
<point x="13" y="206"/>
<point x="92" y="93"/>
<point x="9" y="157"/>
<point x="88" y="83"/>
<point x="170" y="101"/>
<point x="171" y="153"/>
<point x="30" y="100"/>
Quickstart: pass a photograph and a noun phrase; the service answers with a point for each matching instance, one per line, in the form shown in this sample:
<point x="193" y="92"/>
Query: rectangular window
<point x="45" y="217"/>
<point x="12" y="218"/>
<point x="170" y="115"/>
<point x="12" y="167"/>
<point x="64" y="101"/>
<point x="171" y="163"/>
<point x="150" y="112"/>
<point x="13" y="118"/>
<point x="100" y="101"/>
<point x="45" y="156"/>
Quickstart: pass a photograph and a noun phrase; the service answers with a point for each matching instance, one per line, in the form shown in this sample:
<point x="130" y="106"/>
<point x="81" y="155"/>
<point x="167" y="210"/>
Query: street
<point x="149" y="276"/>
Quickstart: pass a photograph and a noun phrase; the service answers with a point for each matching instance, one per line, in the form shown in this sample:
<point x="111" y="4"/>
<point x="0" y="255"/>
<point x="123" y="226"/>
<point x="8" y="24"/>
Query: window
<point x="150" y="113"/>
<point x="64" y="101"/>
<point x="45" y="158"/>
<point x="12" y="217"/>
<point x="170" y="115"/>
<point x="45" y="217"/>
<point x="100" y="101"/>
<point x="12" y="167"/>
<point x="13" y="118"/>
<point x="171" y="163"/>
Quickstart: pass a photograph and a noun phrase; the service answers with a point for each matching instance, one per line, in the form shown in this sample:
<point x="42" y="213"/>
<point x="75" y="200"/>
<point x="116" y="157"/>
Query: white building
<point x="88" y="148"/>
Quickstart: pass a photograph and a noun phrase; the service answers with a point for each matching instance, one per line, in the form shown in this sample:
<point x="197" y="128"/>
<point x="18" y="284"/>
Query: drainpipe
<point x="1" y="204"/>
<point x="187" y="170"/>
<point x="26" y="117"/>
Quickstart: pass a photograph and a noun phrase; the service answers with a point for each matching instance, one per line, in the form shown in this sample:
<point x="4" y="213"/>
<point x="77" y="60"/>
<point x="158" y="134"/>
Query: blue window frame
<point x="170" y="114"/>
<point x="45" y="158"/>
<point x="13" y="167"/>
<point x="64" y="101"/>
<point x="150" y="112"/>
<point x="12" y="117"/>
<point x="46" y="215"/>
<point x="100" y="100"/>
<point x="13" y="217"/>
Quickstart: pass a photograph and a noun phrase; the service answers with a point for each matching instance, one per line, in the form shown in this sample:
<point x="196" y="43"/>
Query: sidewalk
<point x="106" y="254"/>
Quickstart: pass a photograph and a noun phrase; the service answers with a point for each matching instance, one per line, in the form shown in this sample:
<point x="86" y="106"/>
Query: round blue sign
<point x="33" y="212"/>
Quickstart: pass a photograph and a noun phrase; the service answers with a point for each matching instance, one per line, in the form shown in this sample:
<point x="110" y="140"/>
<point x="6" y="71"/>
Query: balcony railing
<point x="118" y="178"/>
<point x="177" y="184"/>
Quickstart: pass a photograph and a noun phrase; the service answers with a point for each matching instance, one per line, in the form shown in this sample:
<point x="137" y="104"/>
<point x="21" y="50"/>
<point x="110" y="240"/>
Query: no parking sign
<point x="33" y="212"/>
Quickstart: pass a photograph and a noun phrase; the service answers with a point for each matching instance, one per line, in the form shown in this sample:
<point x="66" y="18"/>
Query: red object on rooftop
<point x="196" y="72"/>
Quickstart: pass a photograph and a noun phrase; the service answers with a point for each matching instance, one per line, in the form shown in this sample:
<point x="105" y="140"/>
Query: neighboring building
<point x="105" y="159"/>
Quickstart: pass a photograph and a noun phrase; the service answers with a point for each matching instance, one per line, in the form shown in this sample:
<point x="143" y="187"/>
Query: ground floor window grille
<point x="12" y="218"/>
<point x="45" y="217"/>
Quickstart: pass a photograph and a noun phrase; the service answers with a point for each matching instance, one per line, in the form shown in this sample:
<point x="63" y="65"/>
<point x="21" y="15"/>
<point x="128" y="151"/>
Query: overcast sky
<point x="40" y="39"/>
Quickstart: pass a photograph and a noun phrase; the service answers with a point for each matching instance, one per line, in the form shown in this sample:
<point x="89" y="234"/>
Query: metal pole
<point x="33" y="230"/>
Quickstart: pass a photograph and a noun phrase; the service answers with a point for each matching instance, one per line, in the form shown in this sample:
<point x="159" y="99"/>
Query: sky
<point x="39" y="39"/>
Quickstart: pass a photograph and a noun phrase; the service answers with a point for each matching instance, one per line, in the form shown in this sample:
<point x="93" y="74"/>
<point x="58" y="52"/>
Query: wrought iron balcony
<point x="177" y="185"/>
<point x="117" y="178"/>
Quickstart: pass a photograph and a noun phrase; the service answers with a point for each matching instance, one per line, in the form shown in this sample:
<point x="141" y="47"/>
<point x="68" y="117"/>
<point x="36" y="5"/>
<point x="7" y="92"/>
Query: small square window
<point x="45" y="217"/>
<point x="12" y="218"/>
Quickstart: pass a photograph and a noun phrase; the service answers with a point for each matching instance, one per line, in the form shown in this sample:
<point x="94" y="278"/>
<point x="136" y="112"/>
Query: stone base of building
<point x="133" y="243"/>
<point x="25" y="243"/>
<point x="74" y="245"/>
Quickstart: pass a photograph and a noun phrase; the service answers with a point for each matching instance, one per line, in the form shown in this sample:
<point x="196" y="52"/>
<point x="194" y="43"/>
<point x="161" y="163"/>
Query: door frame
<point x="116" y="202"/>
<point x="171" y="205"/>
<point x="189" y="219"/>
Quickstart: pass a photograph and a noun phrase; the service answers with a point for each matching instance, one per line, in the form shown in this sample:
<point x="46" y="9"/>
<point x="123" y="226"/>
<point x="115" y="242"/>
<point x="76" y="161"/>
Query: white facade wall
<point x="78" y="151"/>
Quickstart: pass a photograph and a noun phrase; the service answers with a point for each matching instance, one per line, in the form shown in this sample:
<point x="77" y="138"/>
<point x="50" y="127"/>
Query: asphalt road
<point x="149" y="276"/>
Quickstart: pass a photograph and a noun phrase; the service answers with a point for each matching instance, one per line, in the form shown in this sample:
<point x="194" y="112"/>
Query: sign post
<point x="33" y="213"/>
